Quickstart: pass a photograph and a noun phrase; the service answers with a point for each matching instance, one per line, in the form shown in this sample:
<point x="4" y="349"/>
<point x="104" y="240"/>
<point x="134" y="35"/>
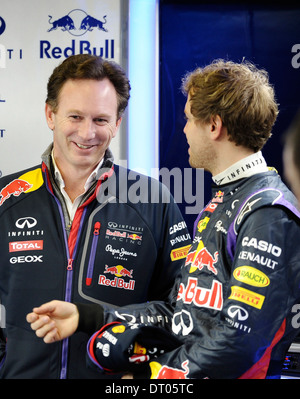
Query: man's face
<point x="201" y="151"/>
<point x="84" y="124"/>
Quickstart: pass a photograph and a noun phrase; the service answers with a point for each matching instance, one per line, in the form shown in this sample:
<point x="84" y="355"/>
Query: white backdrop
<point x="35" y="36"/>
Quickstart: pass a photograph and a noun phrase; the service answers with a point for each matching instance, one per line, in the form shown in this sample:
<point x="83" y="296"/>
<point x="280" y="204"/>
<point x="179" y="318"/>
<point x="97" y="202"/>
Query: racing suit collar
<point x="246" y="167"/>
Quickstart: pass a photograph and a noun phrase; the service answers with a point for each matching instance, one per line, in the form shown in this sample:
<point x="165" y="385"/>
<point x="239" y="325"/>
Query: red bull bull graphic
<point x="164" y="372"/>
<point x="135" y="237"/>
<point x="77" y="22"/>
<point x="15" y="188"/>
<point x="200" y="258"/>
<point x="90" y="23"/>
<point x="120" y="273"/>
<point x="65" y="23"/>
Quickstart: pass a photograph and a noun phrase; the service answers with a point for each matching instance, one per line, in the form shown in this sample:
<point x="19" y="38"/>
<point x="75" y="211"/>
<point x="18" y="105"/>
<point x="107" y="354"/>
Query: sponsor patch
<point x="249" y="297"/>
<point x="202" y="224"/>
<point x="252" y="276"/>
<point x="202" y="297"/>
<point x="179" y="253"/>
<point x="16" y="246"/>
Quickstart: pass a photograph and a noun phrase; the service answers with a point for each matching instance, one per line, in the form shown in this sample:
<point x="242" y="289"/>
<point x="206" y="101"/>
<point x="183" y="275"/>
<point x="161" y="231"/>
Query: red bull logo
<point x="119" y="272"/>
<point x="15" y="188"/>
<point x="211" y="298"/>
<point x="77" y="22"/>
<point x="135" y="237"/>
<point x="198" y="259"/>
<point x="218" y="197"/>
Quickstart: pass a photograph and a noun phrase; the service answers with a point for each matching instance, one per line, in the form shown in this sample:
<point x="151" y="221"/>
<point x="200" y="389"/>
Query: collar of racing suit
<point x="246" y="167"/>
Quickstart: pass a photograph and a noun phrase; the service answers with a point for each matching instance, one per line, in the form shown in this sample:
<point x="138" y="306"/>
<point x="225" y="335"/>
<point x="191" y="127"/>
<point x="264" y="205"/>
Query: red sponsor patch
<point x="17" y="246"/>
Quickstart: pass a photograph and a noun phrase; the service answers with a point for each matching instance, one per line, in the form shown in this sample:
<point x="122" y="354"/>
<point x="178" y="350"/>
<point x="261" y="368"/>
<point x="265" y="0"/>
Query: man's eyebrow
<point x="74" y="111"/>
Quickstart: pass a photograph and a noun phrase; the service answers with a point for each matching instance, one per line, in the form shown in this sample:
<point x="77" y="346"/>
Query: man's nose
<point x="87" y="129"/>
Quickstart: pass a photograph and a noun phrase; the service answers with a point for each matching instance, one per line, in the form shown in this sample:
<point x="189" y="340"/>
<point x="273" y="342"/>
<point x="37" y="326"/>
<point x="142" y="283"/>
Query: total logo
<point x="118" y="282"/>
<point x="16" y="246"/>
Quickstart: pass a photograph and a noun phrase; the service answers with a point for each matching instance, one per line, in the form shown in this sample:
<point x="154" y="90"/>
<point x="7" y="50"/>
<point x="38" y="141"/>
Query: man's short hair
<point x="86" y="66"/>
<point x="240" y="94"/>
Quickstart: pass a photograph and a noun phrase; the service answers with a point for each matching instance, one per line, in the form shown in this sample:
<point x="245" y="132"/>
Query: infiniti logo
<point x="27" y="221"/>
<point x="112" y="225"/>
<point x="182" y="321"/>
<point x="238" y="311"/>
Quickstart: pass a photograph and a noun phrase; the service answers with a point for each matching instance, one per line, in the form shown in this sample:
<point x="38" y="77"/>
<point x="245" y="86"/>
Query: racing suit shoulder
<point x="15" y="185"/>
<point x="277" y="196"/>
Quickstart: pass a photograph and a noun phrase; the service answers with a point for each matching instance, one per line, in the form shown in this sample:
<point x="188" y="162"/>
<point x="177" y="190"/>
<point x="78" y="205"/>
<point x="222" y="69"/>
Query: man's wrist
<point x="90" y="317"/>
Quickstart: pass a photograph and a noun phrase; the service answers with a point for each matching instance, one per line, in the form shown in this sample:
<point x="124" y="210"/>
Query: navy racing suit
<point x="233" y="305"/>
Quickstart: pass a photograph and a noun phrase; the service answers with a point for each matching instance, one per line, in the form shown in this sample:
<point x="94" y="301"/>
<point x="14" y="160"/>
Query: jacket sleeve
<point x="254" y="317"/>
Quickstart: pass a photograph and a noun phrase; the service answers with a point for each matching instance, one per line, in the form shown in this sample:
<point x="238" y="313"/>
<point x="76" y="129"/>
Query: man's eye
<point x="101" y="121"/>
<point x="75" y="117"/>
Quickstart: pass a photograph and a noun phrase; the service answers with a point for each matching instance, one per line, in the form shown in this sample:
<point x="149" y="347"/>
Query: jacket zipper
<point x="68" y="292"/>
<point x="71" y="252"/>
<point x="91" y="263"/>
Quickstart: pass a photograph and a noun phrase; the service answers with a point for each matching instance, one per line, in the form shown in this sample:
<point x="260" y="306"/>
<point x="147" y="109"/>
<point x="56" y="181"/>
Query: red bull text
<point x="202" y="297"/>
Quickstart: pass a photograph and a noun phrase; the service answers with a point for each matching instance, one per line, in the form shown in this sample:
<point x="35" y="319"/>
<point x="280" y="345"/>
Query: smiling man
<point x="83" y="127"/>
<point x="70" y="230"/>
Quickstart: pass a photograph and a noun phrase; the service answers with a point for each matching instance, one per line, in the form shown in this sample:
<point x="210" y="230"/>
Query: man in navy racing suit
<point x="233" y="309"/>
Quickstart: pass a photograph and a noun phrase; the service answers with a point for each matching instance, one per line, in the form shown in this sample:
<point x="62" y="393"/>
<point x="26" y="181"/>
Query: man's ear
<point x="216" y="126"/>
<point x="117" y="126"/>
<point x="49" y="116"/>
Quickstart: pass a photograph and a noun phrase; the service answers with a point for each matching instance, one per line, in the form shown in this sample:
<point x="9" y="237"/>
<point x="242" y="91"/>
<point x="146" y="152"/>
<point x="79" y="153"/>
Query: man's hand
<point x="54" y="321"/>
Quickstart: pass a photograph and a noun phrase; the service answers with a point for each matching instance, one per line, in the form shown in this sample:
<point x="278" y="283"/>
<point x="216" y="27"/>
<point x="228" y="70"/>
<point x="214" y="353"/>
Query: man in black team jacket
<point x="233" y="310"/>
<point x="77" y="227"/>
